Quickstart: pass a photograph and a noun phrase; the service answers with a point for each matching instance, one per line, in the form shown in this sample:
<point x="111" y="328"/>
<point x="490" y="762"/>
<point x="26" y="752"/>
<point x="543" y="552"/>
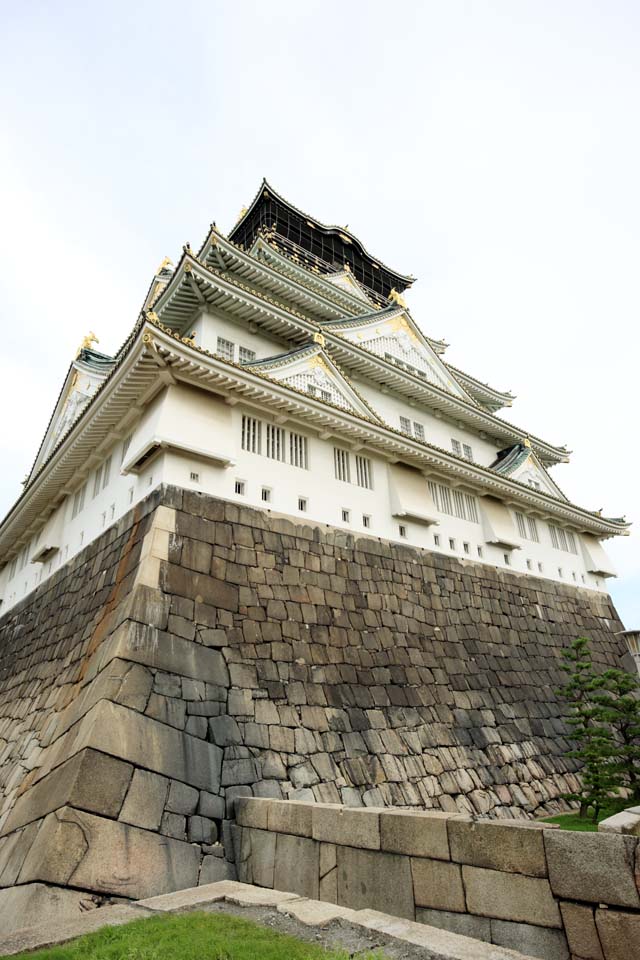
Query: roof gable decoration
<point x="311" y="371"/>
<point x="345" y="280"/>
<point x="396" y="337"/>
<point x="520" y="463"/>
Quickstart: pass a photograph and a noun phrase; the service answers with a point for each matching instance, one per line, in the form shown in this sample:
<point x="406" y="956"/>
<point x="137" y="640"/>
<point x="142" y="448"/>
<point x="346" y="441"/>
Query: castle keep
<point x="278" y="547"/>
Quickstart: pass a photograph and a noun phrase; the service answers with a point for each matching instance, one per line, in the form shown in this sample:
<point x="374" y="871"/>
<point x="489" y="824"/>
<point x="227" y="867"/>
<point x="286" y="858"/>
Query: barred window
<point x="467" y="451"/>
<point x="225" y="348"/>
<point x="246" y="356"/>
<point x="342" y="464"/>
<point x="298" y="451"/>
<point x="405" y="425"/>
<point x="522" y="530"/>
<point x="533" y="530"/>
<point x="251" y="434"/>
<point x="454" y="502"/>
<point x="455" y="446"/>
<point x="78" y="501"/>
<point x="97" y="482"/>
<point x="418" y="430"/>
<point x="364" y="473"/>
<point x="563" y="539"/>
<point x="314" y="391"/>
<point x="106" y="472"/>
<point x="275" y="442"/>
<point x="125" y="447"/>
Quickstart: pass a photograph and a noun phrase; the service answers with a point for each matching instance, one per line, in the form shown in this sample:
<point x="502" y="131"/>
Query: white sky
<point x="492" y="149"/>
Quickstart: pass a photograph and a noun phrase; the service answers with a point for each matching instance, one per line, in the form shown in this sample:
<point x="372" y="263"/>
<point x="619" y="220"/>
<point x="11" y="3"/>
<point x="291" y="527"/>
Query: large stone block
<point x="252" y="812"/>
<point x="115" y="730"/>
<point x="498" y="846"/>
<point x="89" y="852"/>
<point x="580" y="928"/>
<point x="478" y="928"/>
<point x="530" y="940"/>
<point x="297" y="865"/>
<point x="376" y="881"/>
<point x="35" y="903"/>
<point x="510" y="896"/>
<point x="13" y="850"/>
<point x="90" y="781"/>
<point x="597" y="867"/>
<point x="288" y="816"/>
<point x="418" y="834"/>
<point x="437" y="884"/>
<point x="145" y="800"/>
<point x="351" y="827"/>
<point x="619" y="934"/>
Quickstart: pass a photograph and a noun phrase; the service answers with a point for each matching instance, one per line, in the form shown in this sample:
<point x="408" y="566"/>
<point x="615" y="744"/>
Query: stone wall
<point x="545" y="892"/>
<point x="200" y="651"/>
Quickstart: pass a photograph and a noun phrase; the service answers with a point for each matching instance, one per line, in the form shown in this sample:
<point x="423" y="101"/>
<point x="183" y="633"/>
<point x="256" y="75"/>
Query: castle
<point x="278" y="547"/>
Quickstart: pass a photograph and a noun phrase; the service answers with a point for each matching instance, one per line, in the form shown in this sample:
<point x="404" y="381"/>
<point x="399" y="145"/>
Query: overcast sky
<point x="491" y="149"/>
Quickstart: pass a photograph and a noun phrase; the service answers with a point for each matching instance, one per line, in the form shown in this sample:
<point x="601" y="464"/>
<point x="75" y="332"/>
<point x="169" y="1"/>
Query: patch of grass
<point x="573" y="821"/>
<point x="191" y="936"/>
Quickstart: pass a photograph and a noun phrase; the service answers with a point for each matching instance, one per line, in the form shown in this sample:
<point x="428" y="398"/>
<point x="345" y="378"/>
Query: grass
<point x="573" y="821"/>
<point x="191" y="936"/>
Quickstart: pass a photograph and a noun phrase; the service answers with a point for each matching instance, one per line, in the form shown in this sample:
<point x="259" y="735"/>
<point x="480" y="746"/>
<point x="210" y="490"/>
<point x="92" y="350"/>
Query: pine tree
<point x="617" y="696"/>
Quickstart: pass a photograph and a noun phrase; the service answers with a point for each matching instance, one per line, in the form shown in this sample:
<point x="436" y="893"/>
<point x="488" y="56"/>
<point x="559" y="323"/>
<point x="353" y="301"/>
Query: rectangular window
<point x="533" y="529"/>
<point x="527" y="527"/>
<point x="453" y="502"/>
<point x="78" y="501"/>
<point x="225" y="348"/>
<point x="246" y="356"/>
<point x="266" y="495"/>
<point x="507" y="559"/>
<point x="97" y="482"/>
<point x="571" y="542"/>
<point x="563" y="539"/>
<point x="402" y="530"/>
<point x="529" y="565"/>
<point x="480" y="551"/>
<point x="405" y="425"/>
<point x="239" y="487"/>
<point x="458" y="504"/>
<point x="366" y="521"/>
<point x="364" y="475"/>
<point x="314" y="391"/>
<point x="125" y="446"/>
<point x="194" y="477"/>
<point x="418" y="430"/>
<point x="251" y="434"/>
<point x="468" y="452"/>
<point x="298" y="451"/>
<point x="455" y="446"/>
<point x="106" y="472"/>
<point x="436" y="539"/>
<point x="341" y="464"/>
<point x="275" y="442"/>
<point x="522" y="530"/>
<point x="302" y="504"/>
<point x="131" y="494"/>
<point x="560" y="572"/>
<point x="553" y="531"/>
<point x="346" y="516"/>
<point x="112" y="511"/>
<point x="452" y="543"/>
<point x="445" y="498"/>
<point x="540" y="568"/>
<point x="472" y="508"/>
<point x="466" y="547"/>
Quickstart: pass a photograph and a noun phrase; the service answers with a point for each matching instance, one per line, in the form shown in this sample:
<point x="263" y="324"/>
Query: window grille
<point x="125" y="447"/>
<point x="455" y="446"/>
<point x="239" y="487"/>
<point x="366" y="520"/>
<point x="364" y="474"/>
<point x="346" y="516"/>
<point x="563" y="539"/>
<point x="225" y="348"/>
<point x="436" y="539"/>
<point x="298" y="451"/>
<point x="454" y="503"/>
<point x="402" y="530"/>
<point x="97" y="482"/>
<point x="266" y="495"/>
<point x="342" y="464"/>
<point x="533" y="529"/>
<point x="468" y="452"/>
<point x="251" y="434"/>
<point x="275" y="442"/>
<point x="405" y="425"/>
<point x="302" y="504"/>
<point x="246" y="356"/>
<point x="78" y="501"/>
<point x="418" y="430"/>
<point x="106" y="471"/>
<point x="522" y="530"/>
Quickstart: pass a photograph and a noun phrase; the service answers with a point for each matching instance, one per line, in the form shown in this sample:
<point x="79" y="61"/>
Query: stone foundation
<point x="199" y="652"/>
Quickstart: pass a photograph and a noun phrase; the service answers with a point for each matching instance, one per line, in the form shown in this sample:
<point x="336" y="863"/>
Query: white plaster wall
<point x="211" y="325"/>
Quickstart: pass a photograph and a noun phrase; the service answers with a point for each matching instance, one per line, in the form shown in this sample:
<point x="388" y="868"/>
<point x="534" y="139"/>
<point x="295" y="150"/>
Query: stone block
<point x="351" y="827"/>
<point x="379" y="881"/>
<point x="596" y="867"/>
<point x="313" y="913"/>
<point x="510" y="896"/>
<point x="297" y="865"/>
<point x="89" y="780"/>
<point x="182" y="798"/>
<point x="624" y="822"/>
<point x="123" y="733"/>
<point x="174" y="825"/>
<point x="224" y="731"/>
<point x="619" y="934"/>
<point x="108" y="857"/>
<point x="201" y="830"/>
<point x="210" y="806"/>
<point x="213" y="870"/>
<point x="287" y="816"/>
<point x="530" y="940"/>
<point x="262" y="856"/>
<point x="479" y="928"/>
<point x="13" y="850"/>
<point x="36" y="904"/>
<point x="580" y="928"/>
<point x="498" y="846"/>
<point x="437" y="884"/>
<point x="145" y="800"/>
<point x="252" y="812"/>
<point x="232" y="794"/>
<point x="417" y="834"/>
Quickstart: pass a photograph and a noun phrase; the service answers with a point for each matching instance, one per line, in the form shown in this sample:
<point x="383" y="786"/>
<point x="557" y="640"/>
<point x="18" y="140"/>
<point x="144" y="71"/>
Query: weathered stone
<point x="167" y="710"/>
<point x="580" y="928"/>
<point x="57" y="916"/>
<point x="510" y="896"/>
<point x="107" y="856"/>
<point x="479" y="928"/>
<point x="437" y="884"/>
<point x="201" y="830"/>
<point x="419" y="834"/>
<point x="263" y="854"/>
<point x="313" y="913"/>
<point x="498" y="846"/>
<point x="251" y="812"/>
<point x="357" y="828"/>
<point x="379" y="881"/>
<point x="619" y="933"/>
<point x="13" y="850"/>
<point x="224" y="731"/>
<point x="624" y="822"/>
<point x="592" y="866"/>
<point x="532" y="941"/>
<point x="291" y="817"/>
<point x="174" y="825"/>
<point x="90" y="781"/>
<point x="145" y="800"/>
<point x="214" y="869"/>
<point x="297" y="865"/>
<point x="210" y="806"/>
<point x="182" y="798"/>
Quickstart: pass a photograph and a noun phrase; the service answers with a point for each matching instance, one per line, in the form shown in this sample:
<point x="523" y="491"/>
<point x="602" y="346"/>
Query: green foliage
<point x="604" y="717"/>
<point x="192" y="936"/>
